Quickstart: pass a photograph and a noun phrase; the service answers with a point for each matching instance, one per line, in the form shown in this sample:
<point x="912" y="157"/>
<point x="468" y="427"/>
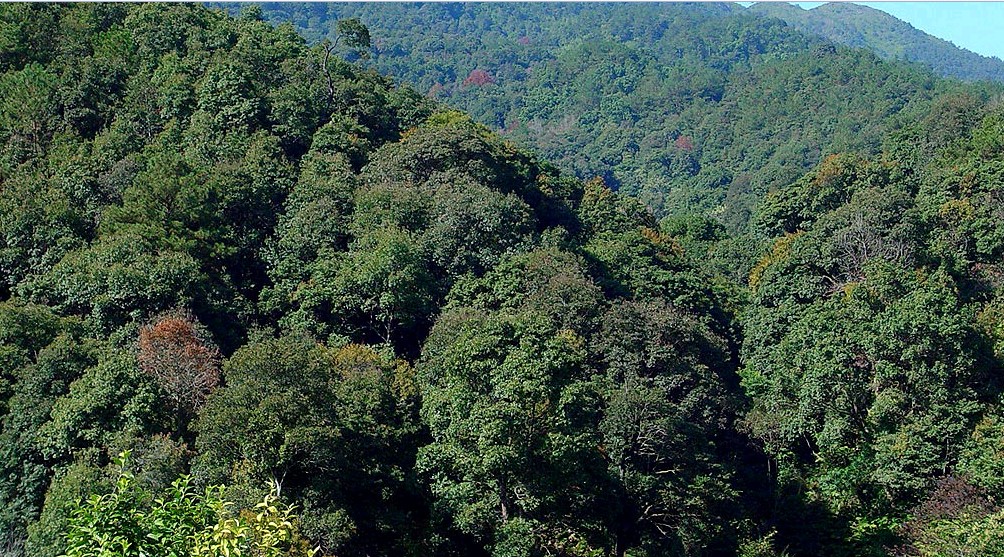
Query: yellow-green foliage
<point x="991" y="320"/>
<point x="780" y="252"/>
<point x="267" y="531"/>
<point x="967" y="535"/>
<point x="130" y="522"/>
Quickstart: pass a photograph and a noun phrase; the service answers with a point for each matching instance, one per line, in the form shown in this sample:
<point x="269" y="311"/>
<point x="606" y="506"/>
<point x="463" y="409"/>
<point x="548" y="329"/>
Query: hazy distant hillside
<point x="690" y="107"/>
<point x="890" y="38"/>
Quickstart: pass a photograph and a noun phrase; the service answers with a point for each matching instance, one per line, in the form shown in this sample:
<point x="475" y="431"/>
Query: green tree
<point x="668" y="406"/>
<point x="333" y="428"/>
<point x="379" y="290"/>
<point x="473" y="227"/>
<point x="42" y="356"/>
<point x="129" y="521"/>
<point x="512" y="454"/>
<point x="27" y="114"/>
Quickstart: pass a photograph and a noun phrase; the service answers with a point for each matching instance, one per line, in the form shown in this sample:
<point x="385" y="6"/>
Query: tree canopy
<point x="256" y="296"/>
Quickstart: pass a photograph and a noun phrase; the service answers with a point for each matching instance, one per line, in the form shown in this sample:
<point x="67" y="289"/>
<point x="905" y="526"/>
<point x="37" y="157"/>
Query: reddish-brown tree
<point x="479" y="78"/>
<point x="684" y="143"/>
<point x="180" y="357"/>
<point x="952" y="498"/>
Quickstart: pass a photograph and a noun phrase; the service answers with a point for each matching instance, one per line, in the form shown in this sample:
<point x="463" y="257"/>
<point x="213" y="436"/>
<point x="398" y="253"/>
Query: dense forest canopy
<point x="689" y="107"/>
<point x="256" y="297"/>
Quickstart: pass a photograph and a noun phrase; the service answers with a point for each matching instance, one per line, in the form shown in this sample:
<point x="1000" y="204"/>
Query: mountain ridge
<point x="683" y="105"/>
<point x="890" y="38"/>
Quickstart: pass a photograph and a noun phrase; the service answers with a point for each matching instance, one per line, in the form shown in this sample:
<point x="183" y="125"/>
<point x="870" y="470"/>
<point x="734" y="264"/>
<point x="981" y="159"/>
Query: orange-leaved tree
<point x="179" y="355"/>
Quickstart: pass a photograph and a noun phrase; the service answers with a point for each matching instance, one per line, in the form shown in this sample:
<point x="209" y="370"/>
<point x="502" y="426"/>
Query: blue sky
<point x="977" y="26"/>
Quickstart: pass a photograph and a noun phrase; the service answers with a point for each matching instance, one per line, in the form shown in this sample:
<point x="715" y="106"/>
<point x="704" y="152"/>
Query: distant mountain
<point x="890" y="38"/>
<point x="695" y="108"/>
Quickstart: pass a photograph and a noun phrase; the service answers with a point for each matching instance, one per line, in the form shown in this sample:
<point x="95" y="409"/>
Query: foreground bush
<point x="180" y="522"/>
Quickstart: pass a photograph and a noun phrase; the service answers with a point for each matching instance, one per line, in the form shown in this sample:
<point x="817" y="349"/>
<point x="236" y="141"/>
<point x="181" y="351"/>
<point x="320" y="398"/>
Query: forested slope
<point x="872" y="351"/>
<point x="860" y="26"/>
<point x="239" y="258"/>
<point x="689" y="107"/>
<point x="229" y="258"/>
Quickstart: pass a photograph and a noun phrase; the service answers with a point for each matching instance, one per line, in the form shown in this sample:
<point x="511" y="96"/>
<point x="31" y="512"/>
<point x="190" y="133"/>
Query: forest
<point x="691" y="108"/>
<point x="259" y="298"/>
<point x="862" y="26"/>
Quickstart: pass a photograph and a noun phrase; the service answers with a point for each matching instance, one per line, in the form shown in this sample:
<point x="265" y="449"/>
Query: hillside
<point x="691" y="108"/>
<point x="892" y="39"/>
<point x="228" y="258"/>
<point x="257" y="299"/>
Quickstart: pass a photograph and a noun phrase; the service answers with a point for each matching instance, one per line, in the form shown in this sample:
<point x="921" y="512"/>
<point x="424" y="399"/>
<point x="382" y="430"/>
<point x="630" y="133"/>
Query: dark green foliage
<point x="434" y="343"/>
<point x="693" y="109"/>
<point x="670" y="395"/>
<point x="870" y="343"/>
<point x="548" y="281"/>
<point x="28" y="113"/>
<point x="42" y="378"/>
<point x="119" y="278"/>
<point x="623" y="381"/>
<point x="507" y="404"/>
<point x="353" y="33"/>
<point x="334" y="428"/>
<point x="47" y="536"/>
<point x="146" y="151"/>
